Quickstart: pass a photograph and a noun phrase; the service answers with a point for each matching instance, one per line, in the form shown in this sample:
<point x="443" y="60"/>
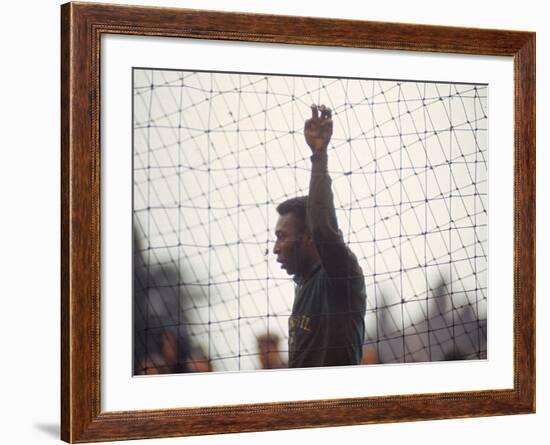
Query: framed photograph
<point x="274" y="222"/>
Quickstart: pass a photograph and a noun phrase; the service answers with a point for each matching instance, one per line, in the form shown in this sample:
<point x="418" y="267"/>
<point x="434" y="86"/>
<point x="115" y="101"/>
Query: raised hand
<point x="318" y="129"/>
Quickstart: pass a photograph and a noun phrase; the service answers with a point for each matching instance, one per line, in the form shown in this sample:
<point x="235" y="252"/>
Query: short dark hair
<point x="298" y="207"/>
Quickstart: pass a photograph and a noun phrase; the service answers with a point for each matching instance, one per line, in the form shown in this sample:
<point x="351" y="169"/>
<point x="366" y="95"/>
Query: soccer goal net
<point x="213" y="155"/>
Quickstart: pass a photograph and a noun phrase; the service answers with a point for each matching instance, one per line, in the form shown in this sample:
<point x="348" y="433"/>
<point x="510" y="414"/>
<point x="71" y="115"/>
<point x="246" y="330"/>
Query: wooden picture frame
<point x="82" y="25"/>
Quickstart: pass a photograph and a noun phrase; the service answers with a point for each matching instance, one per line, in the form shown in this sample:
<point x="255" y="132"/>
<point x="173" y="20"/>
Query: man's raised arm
<point x="336" y="258"/>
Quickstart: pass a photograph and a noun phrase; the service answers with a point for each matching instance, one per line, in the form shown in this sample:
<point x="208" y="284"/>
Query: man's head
<point x="294" y="246"/>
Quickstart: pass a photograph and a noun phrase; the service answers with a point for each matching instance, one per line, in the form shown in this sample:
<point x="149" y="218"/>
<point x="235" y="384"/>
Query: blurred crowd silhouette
<point x="163" y="344"/>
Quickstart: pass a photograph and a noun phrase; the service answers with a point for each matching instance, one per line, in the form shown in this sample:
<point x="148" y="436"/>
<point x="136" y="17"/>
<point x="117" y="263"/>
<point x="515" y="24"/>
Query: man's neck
<point x="301" y="278"/>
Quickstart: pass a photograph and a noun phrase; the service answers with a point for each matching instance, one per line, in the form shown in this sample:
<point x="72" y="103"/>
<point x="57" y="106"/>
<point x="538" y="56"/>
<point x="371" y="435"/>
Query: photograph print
<point x="287" y="221"/>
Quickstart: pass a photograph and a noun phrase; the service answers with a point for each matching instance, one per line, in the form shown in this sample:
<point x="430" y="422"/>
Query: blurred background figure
<point x="370" y="356"/>
<point x="167" y="358"/>
<point x="162" y="342"/>
<point x="198" y="361"/>
<point x="151" y="366"/>
<point x="270" y="355"/>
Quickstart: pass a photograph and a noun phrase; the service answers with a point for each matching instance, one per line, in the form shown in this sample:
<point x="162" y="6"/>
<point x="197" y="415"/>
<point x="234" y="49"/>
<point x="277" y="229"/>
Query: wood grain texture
<point x="81" y="28"/>
<point x="65" y="226"/>
<point x="524" y="223"/>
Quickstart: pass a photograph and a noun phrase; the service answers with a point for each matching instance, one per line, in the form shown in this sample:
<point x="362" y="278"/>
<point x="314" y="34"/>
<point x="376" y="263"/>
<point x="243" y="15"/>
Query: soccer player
<point x="326" y="327"/>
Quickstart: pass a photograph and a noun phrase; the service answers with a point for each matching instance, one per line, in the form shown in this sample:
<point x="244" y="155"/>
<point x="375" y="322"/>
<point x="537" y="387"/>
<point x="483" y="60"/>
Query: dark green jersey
<point x="327" y="325"/>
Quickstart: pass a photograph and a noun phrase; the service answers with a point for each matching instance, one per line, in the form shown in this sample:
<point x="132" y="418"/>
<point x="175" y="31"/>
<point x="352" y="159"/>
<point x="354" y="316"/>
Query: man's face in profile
<point x="289" y="244"/>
